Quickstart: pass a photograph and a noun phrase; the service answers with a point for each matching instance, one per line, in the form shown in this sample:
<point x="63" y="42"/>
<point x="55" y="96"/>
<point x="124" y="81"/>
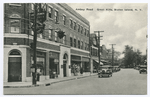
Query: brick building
<point x="54" y="55"/>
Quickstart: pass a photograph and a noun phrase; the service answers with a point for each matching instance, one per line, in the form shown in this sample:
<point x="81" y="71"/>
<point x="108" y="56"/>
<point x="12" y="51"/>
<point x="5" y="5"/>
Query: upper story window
<point x="50" y="34"/>
<point x="15" y="25"/>
<point x="64" y="19"/>
<point x="64" y="40"/>
<point x="79" y="44"/>
<point x="88" y="33"/>
<point x="85" y="32"/>
<point x="74" y="26"/>
<point x="74" y="42"/>
<point x="81" y="29"/>
<point x="32" y="6"/>
<point x="56" y="36"/>
<point x="56" y="16"/>
<point x="78" y="28"/>
<point x="50" y="12"/>
<point x="71" y="23"/>
<point x="15" y="4"/>
<point x="85" y="45"/>
<point x="71" y="42"/>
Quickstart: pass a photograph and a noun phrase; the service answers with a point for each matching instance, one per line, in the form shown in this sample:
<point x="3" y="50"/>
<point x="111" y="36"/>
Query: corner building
<point x="54" y="55"/>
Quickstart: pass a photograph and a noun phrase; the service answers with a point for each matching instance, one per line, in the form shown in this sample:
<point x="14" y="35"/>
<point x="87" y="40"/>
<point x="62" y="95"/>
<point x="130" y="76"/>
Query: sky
<point x="120" y="27"/>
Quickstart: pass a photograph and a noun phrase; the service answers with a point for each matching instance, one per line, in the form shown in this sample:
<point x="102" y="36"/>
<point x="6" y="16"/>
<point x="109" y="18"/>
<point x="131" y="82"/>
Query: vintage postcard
<point x="75" y="49"/>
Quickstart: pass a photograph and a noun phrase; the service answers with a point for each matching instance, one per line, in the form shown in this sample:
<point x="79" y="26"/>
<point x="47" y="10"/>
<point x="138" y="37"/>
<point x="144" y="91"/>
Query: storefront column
<point x="47" y="65"/>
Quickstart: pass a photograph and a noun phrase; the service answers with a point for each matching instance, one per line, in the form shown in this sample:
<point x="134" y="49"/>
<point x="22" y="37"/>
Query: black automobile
<point x="105" y="71"/>
<point x="142" y="69"/>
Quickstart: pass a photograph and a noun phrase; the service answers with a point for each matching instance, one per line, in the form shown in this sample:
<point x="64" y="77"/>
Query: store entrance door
<point x="65" y="58"/>
<point x="14" y="69"/>
<point x="64" y="69"/>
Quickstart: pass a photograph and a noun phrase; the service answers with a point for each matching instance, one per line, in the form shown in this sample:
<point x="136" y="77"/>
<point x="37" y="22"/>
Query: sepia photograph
<point x="75" y="48"/>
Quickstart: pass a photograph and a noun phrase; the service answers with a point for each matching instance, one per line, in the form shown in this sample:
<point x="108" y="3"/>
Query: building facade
<point x="54" y="55"/>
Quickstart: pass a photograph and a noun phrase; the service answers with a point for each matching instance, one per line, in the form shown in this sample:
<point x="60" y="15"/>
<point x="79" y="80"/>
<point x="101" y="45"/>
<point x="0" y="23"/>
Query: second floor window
<point x="78" y="28"/>
<point x="79" y="44"/>
<point x="15" y="26"/>
<point x="74" y="26"/>
<point x="74" y="42"/>
<point x="81" y="29"/>
<point x="56" y="36"/>
<point x="71" y="41"/>
<point x="64" y="40"/>
<point x="50" y="12"/>
<point x="85" y="32"/>
<point x="50" y="34"/>
<point x="64" y="19"/>
<point x="56" y="16"/>
<point x="71" y="24"/>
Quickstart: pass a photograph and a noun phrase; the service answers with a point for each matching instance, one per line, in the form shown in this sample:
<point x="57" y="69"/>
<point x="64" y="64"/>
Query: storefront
<point x="75" y="65"/>
<point x="41" y="63"/>
<point x="53" y="64"/>
<point x="86" y="64"/>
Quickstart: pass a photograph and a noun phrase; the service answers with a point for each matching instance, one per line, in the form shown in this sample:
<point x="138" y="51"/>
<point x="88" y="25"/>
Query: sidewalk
<point x="43" y="83"/>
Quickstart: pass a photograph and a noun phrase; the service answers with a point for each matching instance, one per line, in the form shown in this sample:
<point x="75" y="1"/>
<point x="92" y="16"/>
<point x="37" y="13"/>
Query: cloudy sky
<point x="120" y="27"/>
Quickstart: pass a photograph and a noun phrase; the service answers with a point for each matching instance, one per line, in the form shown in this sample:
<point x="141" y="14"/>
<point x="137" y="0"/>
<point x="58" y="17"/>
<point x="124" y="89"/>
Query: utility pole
<point x="99" y="56"/>
<point x="112" y="54"/>
<point x="34" y="44"/>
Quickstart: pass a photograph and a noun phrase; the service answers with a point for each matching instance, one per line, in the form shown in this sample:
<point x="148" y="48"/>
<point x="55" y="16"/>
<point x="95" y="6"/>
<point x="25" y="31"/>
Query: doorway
<point x="65" y="58"/>
<point x="14" y="67"/>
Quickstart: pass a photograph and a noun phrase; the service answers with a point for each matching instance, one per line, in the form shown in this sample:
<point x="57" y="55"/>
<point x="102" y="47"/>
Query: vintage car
<point x="105" y="70"/>
<point x="142" y="69"/>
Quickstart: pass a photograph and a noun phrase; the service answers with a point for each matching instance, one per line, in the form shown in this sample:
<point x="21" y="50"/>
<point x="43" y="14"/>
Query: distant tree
<point x="131" y="57"/>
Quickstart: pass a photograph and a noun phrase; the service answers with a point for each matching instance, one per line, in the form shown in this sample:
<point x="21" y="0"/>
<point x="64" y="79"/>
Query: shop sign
<point x="85" y="59"/>
<point x="53" y="55"/>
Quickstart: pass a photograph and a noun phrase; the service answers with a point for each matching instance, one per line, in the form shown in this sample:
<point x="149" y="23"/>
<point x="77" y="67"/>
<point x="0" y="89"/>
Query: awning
<point x="98" y="62"/>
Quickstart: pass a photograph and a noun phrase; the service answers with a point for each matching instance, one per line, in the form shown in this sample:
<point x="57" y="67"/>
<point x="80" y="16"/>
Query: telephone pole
<point x="34" y="43"/>
<point x="99" y="38"/>
<point x="112" y="54"/>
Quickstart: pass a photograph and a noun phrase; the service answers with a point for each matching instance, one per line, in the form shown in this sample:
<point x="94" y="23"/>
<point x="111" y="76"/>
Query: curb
<point x="46" y="84"/>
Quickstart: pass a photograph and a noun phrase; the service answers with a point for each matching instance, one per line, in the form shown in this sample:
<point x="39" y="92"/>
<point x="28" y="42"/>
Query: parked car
<point x="105" y="71"/>
<point x="142" y="69"/>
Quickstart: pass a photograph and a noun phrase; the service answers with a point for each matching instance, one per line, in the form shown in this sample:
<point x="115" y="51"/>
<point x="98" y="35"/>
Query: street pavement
<point x="124" y="82"/>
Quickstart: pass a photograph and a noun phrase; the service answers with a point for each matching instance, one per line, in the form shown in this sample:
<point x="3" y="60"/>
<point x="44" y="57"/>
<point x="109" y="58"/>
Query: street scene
<point x="75" y="49"/>
<point x="124" y="82"/>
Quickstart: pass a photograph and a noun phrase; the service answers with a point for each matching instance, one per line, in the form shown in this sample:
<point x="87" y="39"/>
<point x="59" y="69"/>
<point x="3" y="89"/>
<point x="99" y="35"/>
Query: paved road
<point x="124" y="82"/>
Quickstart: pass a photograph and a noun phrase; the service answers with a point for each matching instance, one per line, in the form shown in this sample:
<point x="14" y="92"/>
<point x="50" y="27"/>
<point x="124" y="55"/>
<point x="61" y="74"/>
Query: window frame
<point x="56" y="16"/>
<point x="49" y="12"/>
<point x="13" y="19"/>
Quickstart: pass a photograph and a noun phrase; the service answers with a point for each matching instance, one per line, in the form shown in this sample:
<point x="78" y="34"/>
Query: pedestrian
<point x="81" y="70"/>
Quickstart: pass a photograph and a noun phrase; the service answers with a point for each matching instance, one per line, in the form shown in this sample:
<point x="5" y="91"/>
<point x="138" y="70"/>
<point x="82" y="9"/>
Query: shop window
<point x="50" y="12"/>
<point x="15" y="25"/>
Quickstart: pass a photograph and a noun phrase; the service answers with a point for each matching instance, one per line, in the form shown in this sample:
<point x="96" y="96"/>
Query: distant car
<point x="105" y="71"/>
<point x="142" y="69"/>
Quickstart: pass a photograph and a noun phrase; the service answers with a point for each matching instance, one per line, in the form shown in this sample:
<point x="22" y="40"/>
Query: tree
<point x="131" y="57"/>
